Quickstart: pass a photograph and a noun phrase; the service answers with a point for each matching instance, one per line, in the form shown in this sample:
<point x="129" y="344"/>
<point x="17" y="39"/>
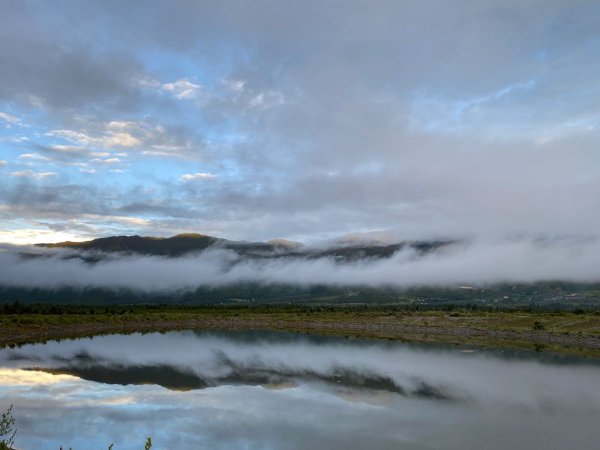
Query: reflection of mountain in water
<point x="163" y="375"/>
<point x="342" y="380"/>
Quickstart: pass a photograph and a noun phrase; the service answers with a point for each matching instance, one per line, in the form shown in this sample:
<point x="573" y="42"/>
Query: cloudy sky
<point x="299" y="120"/>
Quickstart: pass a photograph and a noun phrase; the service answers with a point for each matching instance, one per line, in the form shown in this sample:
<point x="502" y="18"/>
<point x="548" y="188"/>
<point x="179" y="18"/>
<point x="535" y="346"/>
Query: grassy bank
<point x="576" y="332"/>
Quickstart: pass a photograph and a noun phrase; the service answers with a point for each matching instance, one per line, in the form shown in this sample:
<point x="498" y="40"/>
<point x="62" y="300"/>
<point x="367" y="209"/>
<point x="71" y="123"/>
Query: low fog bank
<point x="474" y="263"/>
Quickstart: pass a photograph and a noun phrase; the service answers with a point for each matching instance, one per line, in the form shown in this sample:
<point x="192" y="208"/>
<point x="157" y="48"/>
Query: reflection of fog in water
<point x="287" y="391"/>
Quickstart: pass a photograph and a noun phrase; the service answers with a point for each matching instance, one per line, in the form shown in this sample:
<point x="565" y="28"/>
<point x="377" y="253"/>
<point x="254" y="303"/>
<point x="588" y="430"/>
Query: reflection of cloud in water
<point x="294" y="393"/>
<point x="12" y="377"/>
<point x="211" y="359"/>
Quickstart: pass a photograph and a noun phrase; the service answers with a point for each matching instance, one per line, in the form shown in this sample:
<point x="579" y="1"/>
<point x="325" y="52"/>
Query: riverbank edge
<point x="578" y="344"/>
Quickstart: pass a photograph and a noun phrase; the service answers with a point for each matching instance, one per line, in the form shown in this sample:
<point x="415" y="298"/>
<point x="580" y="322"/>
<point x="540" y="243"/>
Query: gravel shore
<point x="30" y="333"/>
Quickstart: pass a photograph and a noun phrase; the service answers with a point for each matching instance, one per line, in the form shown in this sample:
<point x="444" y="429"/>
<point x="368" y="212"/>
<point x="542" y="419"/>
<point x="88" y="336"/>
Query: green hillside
<point x="147" y="245"/>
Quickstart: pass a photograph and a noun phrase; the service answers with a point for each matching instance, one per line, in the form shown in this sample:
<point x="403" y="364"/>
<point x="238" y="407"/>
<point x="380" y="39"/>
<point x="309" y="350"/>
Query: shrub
<point x="7" y="433"/>
<point x="537" y="325"/>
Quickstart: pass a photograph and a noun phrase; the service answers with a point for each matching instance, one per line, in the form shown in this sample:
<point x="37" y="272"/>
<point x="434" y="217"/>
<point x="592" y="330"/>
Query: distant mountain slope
<point x="285" y="243"/>
<point x="189" y="243"/>
<point x="173" y="246"/>
<point x="361" y="239"/>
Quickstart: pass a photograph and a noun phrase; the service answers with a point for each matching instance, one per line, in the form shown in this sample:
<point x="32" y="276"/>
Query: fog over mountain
<point x="400" y="123"/>
<point x="222" y="263"/>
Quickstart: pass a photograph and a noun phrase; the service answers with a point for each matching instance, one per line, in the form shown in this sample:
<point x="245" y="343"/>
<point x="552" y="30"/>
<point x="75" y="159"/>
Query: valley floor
<point x="562" y="332"/>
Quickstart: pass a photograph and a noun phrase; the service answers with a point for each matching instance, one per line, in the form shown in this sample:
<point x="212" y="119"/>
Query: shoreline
<point x="579" y="343"/>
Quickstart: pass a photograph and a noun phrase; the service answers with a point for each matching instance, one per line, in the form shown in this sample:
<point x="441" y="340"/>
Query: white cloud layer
<point x="10" y="119"/>
<point x="32" y="174"/>
<point x="197" y="176"/>
<point x="479" y="263"/>
<point x="24" y="236"/>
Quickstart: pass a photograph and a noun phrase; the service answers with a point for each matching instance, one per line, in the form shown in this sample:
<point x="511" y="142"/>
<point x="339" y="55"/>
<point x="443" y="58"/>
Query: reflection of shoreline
<point x="584" y="344"/>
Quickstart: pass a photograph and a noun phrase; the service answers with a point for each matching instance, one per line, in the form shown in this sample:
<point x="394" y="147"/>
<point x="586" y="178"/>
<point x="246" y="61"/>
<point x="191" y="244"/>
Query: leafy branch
<point x="7" y="430"/>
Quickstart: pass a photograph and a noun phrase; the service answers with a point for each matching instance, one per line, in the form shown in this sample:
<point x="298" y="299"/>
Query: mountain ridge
<point x="187" y="243"/>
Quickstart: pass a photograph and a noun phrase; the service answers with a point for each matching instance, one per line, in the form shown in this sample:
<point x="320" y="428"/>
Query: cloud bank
<point x="476" y="263"/>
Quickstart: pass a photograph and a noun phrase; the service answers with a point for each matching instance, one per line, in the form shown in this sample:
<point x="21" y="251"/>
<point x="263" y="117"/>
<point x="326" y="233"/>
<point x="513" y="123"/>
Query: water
<point x="267" y="390"/>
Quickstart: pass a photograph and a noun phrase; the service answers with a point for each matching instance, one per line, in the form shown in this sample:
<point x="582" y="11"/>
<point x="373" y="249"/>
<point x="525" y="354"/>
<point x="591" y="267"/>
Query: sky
<point x="299" y="120"/>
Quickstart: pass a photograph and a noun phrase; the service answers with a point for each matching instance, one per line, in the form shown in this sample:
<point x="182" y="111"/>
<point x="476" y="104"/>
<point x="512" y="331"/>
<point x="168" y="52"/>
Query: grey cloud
<point x="163" y="209"/>
<point x="61" y="153"/>
<point x="142" y="138"/>
<point x="57" y="198"/>
<point x="40" y="69"/>
<point x="478" y="263"/>
<point x="445" y="118"/>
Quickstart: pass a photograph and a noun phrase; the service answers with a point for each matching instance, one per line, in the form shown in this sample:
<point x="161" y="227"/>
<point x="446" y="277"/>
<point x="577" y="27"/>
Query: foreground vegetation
<point x="8" y="432"/>
<point x="576" y="331"/>
<point x="520" y="318"/>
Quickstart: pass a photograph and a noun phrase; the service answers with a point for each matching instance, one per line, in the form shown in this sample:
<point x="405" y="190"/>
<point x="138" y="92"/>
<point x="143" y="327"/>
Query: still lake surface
<point x="270" y="390"/>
